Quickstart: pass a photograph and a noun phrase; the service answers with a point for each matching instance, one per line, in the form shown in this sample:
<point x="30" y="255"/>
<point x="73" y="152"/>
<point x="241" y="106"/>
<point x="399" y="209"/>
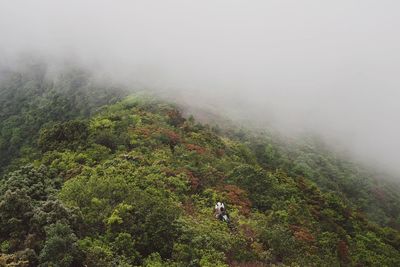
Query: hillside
<point x="30" y="98"/>
<point x="92" y="177"/>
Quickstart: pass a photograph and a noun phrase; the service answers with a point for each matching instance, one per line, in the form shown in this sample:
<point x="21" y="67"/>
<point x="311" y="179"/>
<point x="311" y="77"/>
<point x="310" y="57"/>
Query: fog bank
<point x="326" y="67"/>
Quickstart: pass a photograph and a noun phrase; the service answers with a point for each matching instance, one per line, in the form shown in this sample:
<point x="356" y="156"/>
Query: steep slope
<point x="135" y="184"/>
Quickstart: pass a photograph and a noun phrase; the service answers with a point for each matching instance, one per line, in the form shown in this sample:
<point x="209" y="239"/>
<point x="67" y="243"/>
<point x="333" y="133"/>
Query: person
<point x="220" y="212"/>
<point x="218" y="208"/>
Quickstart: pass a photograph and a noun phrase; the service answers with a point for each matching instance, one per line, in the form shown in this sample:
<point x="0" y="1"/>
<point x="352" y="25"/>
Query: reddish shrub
<point x="220" y="152"/>
<point x="189" y="207"/>
<point x="237" y="196"/>
<point x="194" y="181"/>
<point x="175" y="118"/>
<point x="302" y="234"/>
<point x="169" y="172"/>
<point x="168" y="137"/>
<point x="197" y="148"/>
<point x="343" y="251"/>
<point x="172" y="137"/>
<point x="144" y="131"/>
<point x="379" y="194"/>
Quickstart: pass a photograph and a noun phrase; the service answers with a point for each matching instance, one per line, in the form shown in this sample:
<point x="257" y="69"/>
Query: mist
<point x="330" y="68"/>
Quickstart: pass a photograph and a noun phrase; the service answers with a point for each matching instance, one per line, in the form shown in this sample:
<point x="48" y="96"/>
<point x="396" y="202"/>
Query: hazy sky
<point x="329" y="66"/>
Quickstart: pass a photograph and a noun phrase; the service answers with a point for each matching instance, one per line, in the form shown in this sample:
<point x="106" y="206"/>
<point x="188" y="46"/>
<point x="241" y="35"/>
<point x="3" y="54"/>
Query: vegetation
<point x="29" y="100"/>
<point x="92" y="183"/>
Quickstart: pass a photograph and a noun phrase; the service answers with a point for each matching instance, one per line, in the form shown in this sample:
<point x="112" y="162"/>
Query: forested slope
<point x="29" y="99"/>
<point x="89" y="183"/>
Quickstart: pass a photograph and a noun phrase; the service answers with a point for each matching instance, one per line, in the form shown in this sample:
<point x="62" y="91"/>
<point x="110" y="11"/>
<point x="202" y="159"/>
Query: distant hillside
<point x="93" y="178"/>
<point x="29" y="99"/>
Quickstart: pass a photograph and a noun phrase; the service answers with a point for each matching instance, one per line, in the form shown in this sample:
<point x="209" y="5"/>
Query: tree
<point x="16" y="210"/>
<point x="60" y="247"/>
<point x="70" y="134"/>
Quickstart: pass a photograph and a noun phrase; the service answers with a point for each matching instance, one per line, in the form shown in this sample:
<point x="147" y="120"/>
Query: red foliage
<point x="347" y="212"/>
<point x="145" y="131"/>
<point x="189" y="207"/>
<point x="301" y="184"/>
<point x="72" y="173"/>
<point x="248" y="232"/>
<point x="379" y="194"/>
<point x="175" y="117"/>
<point x="197" y="148"/>
<point x="172" y="136"/>
<point x="302" y="234"/>
<point x="220" y="152"/>
<point x="238" y="197"/>
<point x="169" y="172"/>
<point x="194" y="181"/>
<point x="343" y="251"/>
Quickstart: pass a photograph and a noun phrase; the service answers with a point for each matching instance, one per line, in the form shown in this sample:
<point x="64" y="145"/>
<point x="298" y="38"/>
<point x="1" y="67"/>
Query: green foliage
<point x="255" y="181"/>
<point x="134" y="183"/>
<point x="371" y="251"/>
<point x="27" y="207"/>
<point x="31" y="99"/>
<point x="70" y="134"/>
<point x="96" y="252"/>
<point x="60" y="247"/>
<point x="36" y="182"/>
<point x="205" y="242"/>
<point x="16" y="211"/>
<point x="114" y="204"/>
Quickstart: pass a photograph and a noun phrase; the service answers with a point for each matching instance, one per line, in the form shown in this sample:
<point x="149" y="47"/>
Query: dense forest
<point x="94" y="175"/>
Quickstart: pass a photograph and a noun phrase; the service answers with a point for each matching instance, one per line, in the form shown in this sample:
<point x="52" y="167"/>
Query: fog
<point x="328" y="67"/>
